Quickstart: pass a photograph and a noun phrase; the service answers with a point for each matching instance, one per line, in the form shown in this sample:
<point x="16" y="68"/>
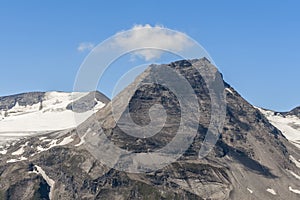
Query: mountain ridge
<point x="252" y="159"/>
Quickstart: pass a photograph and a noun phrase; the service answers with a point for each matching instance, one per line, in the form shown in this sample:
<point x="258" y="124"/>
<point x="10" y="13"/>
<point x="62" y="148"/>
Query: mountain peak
<point x="250" y="160"/>
<point x="295" y="111"/>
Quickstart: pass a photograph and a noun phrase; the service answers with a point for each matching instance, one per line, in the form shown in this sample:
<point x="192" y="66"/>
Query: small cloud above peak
<point x="150" y="37"/>
<point x="85" y="46"/>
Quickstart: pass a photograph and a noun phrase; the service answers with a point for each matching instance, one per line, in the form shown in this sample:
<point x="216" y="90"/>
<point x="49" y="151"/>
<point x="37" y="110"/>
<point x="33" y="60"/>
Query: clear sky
<point x="255" y="44"/>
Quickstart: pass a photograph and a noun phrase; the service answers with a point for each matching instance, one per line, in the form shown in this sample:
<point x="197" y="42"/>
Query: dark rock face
<point x="25" y="99"/>
<point x="30" y="187"/>
<point x="250" y="155"/>
<point x="88" y="102"/>
<point x="295" y="111"/>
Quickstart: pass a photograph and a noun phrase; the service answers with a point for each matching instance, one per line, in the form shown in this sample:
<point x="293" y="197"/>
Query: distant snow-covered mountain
<point x="39" y="112"/>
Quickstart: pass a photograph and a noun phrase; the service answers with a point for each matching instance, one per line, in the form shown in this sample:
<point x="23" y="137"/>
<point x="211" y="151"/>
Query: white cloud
<point x="150" y="38"/>
<point x="85" y="46"/>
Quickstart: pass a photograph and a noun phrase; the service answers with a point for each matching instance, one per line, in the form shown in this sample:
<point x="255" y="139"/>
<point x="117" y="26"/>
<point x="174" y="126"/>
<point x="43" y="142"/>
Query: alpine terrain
<point x="45" y="154"/>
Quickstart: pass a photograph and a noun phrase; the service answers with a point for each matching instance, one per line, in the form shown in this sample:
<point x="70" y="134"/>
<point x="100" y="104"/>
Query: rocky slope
<point x="295" y="112"/>
<point x="251" y="160"/>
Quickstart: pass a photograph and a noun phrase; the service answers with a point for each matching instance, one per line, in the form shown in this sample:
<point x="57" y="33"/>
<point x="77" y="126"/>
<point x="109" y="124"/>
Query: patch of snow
<point x="40" y="149"/>
<point x="18" y="152"/>
<point x="229" y="90"/>
<point x="249" y="190"/>
<point x="98" y="105"/>
<point x="21" y="150"/>
<point x="16" y="160"/>
<point x="51" y="145"/>
<point x="54" y="143"/>
<point x="297" y="163"/>
<point x="3" y="152"/>
<point x="43" y="138"/>
<point x="82" y="138"/>
<point x="294" y="190"/>
<point x="288" y="125"/>
<point x="66" y="141"/>
<point x="294" y="174"/>
<point x="47" y="140"/>
<point x="49" y="181"/>
<point x="12" y="161"/>
<point x="272" y="191"/>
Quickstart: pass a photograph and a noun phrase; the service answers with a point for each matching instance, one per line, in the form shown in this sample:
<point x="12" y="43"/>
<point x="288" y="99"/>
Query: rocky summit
<point x="255" y="156"/>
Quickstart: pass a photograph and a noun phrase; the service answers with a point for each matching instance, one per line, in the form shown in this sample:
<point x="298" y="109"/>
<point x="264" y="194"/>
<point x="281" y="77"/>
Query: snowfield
<point x="288" y="125"/>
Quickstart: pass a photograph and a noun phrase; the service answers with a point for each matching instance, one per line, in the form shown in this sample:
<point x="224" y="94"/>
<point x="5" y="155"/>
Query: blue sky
<point x="255" y="44"/>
